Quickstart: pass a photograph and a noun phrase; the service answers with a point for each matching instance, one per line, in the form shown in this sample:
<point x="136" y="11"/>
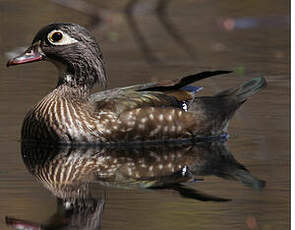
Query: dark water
<point x="250" y="37"/>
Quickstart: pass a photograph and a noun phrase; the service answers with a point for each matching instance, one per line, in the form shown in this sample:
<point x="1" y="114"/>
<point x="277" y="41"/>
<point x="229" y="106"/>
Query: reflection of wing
<point x="191" y="193"/>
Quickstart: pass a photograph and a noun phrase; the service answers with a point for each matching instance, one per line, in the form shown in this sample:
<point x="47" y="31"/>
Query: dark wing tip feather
<point x="185" y="81"/>
<point x="200" y="76"/>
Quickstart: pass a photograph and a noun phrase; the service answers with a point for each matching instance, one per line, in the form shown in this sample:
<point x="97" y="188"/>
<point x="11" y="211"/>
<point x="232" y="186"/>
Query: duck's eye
<point x="56" y="36"/>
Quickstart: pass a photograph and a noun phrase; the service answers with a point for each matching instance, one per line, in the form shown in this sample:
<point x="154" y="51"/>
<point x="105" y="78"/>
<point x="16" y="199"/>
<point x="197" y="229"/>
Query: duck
<point x="148" y="112"/>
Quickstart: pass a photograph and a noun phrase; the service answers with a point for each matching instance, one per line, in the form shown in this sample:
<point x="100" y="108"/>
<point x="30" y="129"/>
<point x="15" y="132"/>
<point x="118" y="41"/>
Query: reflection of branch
<point x="138" y="36"/>
<point x="85" y="8"/>
<point x="98" y="18"/>
<point x="161" y="11"/>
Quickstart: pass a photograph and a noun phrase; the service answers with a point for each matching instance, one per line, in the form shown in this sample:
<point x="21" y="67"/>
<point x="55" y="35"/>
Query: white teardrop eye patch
<point x="58" y="37"/>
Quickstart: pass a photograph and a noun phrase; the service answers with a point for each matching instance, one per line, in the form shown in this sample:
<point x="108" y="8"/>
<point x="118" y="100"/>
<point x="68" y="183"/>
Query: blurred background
<point x="148" y="40"/>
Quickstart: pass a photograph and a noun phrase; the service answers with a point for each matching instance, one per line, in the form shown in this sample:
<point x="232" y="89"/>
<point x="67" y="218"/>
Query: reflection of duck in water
<point x="145" y="112"/>
<point x="69" y="171"/>
<point x="147" y="166"/>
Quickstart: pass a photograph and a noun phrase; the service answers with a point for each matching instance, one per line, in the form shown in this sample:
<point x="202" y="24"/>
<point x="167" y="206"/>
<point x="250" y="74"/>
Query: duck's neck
<point x="70" y="83"/>
<point x="80" y="77"/>
<point x="69" y="91"/>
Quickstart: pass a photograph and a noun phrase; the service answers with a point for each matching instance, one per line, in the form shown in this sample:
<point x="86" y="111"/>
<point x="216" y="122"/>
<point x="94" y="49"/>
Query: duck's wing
<point x="156" y="94"/>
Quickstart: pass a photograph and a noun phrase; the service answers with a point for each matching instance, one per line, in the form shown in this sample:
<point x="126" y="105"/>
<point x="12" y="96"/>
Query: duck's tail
<point x="245" y="90"/>
<point x="214" y="112"/>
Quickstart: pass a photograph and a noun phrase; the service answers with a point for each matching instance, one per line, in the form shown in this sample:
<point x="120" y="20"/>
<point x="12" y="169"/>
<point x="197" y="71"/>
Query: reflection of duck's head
<point x="83" y="214"/>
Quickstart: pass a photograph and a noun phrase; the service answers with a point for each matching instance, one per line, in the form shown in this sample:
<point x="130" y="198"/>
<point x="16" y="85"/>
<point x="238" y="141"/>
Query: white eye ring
<point x="64" y="40"/>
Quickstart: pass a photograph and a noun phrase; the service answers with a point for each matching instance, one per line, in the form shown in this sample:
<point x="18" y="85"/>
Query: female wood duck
<point x="145" y="112"/>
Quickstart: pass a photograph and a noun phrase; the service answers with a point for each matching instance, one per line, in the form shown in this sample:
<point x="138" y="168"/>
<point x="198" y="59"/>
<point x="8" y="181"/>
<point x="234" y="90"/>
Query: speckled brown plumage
<point x="148" y="112"/>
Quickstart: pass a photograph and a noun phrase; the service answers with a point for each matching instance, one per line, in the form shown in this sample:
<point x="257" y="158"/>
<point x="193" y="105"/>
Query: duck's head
<point x="72" y="49"/>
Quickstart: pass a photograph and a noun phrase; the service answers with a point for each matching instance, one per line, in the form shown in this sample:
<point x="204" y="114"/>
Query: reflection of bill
<point x="251" y="222"/>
